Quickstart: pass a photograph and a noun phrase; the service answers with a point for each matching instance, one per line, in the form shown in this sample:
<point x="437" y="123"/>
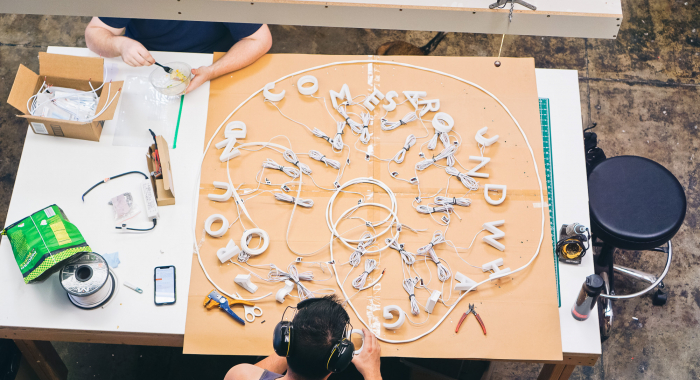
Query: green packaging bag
<point x="44" y="242"/>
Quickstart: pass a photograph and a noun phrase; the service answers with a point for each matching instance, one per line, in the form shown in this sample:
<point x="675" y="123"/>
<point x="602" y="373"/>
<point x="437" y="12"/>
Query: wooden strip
<point x="566" y="373"/>
<point x="80" y="336"/>
<point x="43" y="358"/>
<point x="551" y="372"/>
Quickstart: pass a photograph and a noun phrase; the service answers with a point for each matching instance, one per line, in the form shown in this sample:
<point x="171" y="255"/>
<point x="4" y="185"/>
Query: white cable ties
<point x="407" y="257"/>
<point x="447" y="153"/>
<point x="290" y="171"/>
<point x="337" y="141"/>
<point x="468" y="182"/>
<point x="391" y="125"/>
<point x="308" y="203"/>
<point x="464" y="202"/>
<point x="410" y="141"/>
<point x="423" y="209"/>
<point x="409" y="286"/>
<point x="318" y="156"/>
<point x="356" y="255"/>
<point x="291" y="157"/>
<point x="443" y="273"/>
<point x="359" y="282"/>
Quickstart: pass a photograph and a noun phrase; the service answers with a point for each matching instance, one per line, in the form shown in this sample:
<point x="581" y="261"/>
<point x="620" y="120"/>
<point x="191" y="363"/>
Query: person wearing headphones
<point x="133" y="38"/>
<point x="313" y="345"/>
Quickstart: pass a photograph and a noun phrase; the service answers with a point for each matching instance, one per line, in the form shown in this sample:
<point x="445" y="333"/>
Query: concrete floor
<point x="643" y="90"/>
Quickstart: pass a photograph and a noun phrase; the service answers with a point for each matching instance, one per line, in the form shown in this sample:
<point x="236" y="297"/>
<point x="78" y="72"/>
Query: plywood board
<point x="520" y="311"/>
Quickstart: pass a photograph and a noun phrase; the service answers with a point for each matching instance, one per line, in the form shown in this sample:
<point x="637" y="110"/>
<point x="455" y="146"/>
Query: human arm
<point x="241" y="54"/>
<point x="273" y="363"/>
<point x="369" y="360"/>
<point x="244" y="372"/>
<point x="109" y="42"/>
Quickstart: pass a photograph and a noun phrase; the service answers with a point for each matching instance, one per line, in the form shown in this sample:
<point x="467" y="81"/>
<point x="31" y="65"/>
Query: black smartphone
<point x="164" y="285"/>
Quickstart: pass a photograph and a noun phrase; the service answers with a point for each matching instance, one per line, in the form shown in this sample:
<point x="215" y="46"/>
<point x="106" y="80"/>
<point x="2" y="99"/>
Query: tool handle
<point x="232" y="314"/>
<point x="478" y="318"/>
<point x="460" y="322"/>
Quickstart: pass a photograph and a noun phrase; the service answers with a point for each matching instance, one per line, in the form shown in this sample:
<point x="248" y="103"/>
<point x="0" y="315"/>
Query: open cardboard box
<point x="163" y="187"/>
<point x="64" y="71"/>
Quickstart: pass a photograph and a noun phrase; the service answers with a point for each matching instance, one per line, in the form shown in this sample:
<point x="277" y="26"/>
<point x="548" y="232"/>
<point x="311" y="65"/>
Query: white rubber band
<point x="255" y="231"/>
<point x="215" y="218"/>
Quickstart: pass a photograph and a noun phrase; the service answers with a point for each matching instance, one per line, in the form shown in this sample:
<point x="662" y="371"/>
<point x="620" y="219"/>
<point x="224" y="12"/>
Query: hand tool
<point x="215" y="299"/>
<point x="166" y="68"/>
<point x="478" y="318"/>
<point x="252" y="311"/>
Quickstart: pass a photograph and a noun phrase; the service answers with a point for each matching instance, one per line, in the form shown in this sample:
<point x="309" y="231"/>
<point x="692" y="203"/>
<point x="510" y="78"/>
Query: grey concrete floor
<point x="643" y="90"/>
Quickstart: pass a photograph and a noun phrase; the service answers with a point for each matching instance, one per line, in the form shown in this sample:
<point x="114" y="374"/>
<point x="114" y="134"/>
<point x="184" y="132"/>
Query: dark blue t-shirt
<point x="183" y="36"/>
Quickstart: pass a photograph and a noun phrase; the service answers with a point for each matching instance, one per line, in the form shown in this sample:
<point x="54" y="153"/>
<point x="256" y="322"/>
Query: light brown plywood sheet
<point x="520" y="312"/>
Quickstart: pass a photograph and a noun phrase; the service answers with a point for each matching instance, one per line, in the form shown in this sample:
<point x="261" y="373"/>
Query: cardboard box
<point x="64" y="71"/>
<point x="165" y="192"/>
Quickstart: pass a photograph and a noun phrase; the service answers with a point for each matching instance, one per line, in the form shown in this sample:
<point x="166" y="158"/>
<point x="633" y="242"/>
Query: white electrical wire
<point x="444" y="138"/>
<point x="410" y="141"/>
<point x="423" y="209"/>
<point x="365" y="136"/>
<point x="338" y="138"/>
<point x="409" y="285"/>
<point x="391" y="125"/>
<point x="407" y="257"/>
<point x="429" y="250"/>
<point x="288" y="170"/>
<point x="447" y="153"/>
<point x="291" y="157"/>
<point x="318" y="156"/>
<point x="329" y="207"/>
<point x="356" y="255"/>
<point x="468" y="182"/>
<point x="308" y="203"/>
<point x="355" y="126"/>
<point x="359" y="282"/>
<point x="464" y="202"/>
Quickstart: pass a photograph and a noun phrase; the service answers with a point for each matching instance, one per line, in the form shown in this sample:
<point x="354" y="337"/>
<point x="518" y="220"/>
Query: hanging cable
<point x="468" y="182"/>
<point x="291" y="157"/>
<point x="316" y="155"/>
<point x="409" y="285"/>
<point x="407" y="257"/>
<point x="423" y="209"/>
<point x="464" y="202"/>
<point x="366" y="240"/>
<point x="359" y="282"/>
<point x="308" y="203"/>
<point x="355" y="126"/>
<point x="410" y="141"/>
<point x="365" y="136"/>
<point x="290" y="171"/>
<point x="444" y="138"/>
<point x="391" y="125"/>
<point x="111" y="178"/>
<point x="338" y="138"/>
<point x="429" y="250"/>
<point x="447" y="153"/>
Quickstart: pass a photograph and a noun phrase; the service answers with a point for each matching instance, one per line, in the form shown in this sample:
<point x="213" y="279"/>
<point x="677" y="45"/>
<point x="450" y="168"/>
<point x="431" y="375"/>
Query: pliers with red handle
<point x="478" y="318"/>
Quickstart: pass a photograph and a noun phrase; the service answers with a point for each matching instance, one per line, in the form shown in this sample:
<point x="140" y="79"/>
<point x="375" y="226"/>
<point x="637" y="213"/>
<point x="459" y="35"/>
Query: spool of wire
<point x="88" y="281"/>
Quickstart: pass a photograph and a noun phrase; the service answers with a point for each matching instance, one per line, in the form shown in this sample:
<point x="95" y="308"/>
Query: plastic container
<point x="172" y="84"/>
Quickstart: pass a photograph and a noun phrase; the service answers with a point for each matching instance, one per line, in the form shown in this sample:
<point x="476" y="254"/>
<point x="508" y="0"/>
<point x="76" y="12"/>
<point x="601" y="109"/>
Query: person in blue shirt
<point x="133" y="38"/>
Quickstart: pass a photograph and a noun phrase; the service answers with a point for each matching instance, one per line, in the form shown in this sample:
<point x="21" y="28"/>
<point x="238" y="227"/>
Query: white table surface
<point x="80" y="164"/>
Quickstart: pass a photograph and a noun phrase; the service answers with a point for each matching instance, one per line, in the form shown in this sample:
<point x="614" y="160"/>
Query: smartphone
<point x="164" y="285"/>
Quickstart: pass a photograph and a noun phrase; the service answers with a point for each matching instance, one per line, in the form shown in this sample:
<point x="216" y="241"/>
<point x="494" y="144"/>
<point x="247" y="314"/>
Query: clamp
<point x="215" y="299"/>
<point x="478" y="318"/>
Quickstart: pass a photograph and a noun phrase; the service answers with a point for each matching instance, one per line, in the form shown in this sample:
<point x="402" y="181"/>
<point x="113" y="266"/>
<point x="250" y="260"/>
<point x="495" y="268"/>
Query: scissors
<point x="215" y="299"/>
<point x="252" y="312"/>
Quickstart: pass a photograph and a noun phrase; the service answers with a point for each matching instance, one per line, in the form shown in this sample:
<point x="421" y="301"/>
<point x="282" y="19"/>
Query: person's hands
<point x="368" y="361"/>
<point x="134" y="54"/>
<point x="201" y="75"/>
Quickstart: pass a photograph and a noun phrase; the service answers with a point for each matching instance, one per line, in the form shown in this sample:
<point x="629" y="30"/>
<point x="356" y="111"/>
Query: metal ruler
<point x="548" y="168"/>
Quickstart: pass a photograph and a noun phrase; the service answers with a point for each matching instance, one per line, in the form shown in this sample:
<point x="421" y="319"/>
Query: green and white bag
<point x="44" y="242"/>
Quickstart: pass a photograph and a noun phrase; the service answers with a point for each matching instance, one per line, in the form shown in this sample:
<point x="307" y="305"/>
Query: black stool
<point x="635" y="204"/>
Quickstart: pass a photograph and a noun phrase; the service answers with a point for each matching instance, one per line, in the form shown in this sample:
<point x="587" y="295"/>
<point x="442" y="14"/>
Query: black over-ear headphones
<point x="340" y="356"/>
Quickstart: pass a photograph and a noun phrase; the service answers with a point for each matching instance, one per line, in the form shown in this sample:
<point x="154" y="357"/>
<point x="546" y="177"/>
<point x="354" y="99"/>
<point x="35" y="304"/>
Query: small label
<point x="59" y="230"/>
<point x="57" y="131"/>
<point x="49" y="212"/>
<point x="39" y="128"/>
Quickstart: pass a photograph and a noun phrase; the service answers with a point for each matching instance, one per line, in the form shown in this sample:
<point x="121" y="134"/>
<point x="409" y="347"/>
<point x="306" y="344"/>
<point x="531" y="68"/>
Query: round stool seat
<point x="635" y="203"/>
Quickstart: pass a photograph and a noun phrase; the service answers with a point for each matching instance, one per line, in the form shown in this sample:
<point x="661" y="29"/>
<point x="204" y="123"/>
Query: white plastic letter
<point x="344" y="94"/>
<point x="221" y="197"/>
<point x="307" y="90"/>
<point x="244" y="281"/>
<point x="229" y="152"/>
<point x="214" y="218"/>
<point x="288" y="286"/>
<point x="270" y="96"/>
<point x="496" y="234"/>
<point x="482" y="162"/>
<point x="432" y="301"/>
<point x="373" y="99"/>
<point x="391" y="105"/>
<point x="493" y="265"/>
<point x="414" y="96"/>
<point x="491" y="187"/>
<point x="465" y="283"/>
<point x="360" y="333"/>
<point x="388" y="315"/>
<point x="430" y="105"/>
<point x="227" y="253"/>
<point x="483" y="140"/>
<point x="443" y="122"/>
<point x="235" y="129"/>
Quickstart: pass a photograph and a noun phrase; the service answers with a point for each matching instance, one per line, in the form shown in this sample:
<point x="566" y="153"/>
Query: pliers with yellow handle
<point x="478" y="318"/>
<point x="215" y="299"/>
